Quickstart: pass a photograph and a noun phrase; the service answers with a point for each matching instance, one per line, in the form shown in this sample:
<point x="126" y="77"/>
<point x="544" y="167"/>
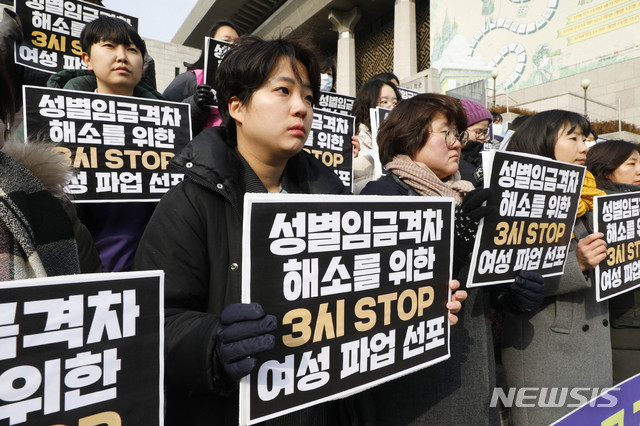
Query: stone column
<point x="405" y="60"/>
<point x="344" y="23"/>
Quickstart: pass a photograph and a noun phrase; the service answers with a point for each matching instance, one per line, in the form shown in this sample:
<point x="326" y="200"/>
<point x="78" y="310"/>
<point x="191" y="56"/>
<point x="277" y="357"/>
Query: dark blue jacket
<point x="388" y="185"/>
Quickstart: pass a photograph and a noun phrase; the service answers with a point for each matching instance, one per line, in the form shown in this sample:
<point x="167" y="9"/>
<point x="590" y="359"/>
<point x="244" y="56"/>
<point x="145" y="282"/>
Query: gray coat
<point x="565" y="343"/>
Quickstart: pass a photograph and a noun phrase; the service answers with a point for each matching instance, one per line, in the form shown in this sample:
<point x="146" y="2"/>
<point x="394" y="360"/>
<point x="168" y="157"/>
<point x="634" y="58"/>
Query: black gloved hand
<point x="243" y="331"/>
<point x="523" y="295"/>
<point x="468" y="215"/>
<point x="203" y="97"/>
<point x="472" y="204"/>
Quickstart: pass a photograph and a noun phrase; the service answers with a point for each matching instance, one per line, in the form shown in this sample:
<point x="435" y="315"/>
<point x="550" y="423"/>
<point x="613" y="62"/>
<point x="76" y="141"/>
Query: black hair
<point x="367" y="97"/>
<point x="605" y="157"/>
<point x="327" y="64"/>
<point x="386" y="76"/>
<point x="406" y="128"/>
<point x="496" y="116"/>
<point x="538" y="135"/>
<point x="248" y="64"/>
<point x="199" y="63"/>
<point x="518" y="121"/>
<point x="106" y="28"/>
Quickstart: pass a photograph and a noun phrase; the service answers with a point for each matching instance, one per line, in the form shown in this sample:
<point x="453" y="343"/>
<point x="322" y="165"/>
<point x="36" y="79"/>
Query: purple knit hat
<point x="475" y="112"/>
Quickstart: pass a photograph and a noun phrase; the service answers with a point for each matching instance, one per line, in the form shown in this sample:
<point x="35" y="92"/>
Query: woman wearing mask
<point x="478" y="121"/>
<point x="616" y="167"/>
<point x="327" y="73"/>
<point x="375" y="93"/>
<point x="189" y="86"/>
<point x="564" y="343"/>
<point x="497" y="128"/>
<point x="420" y="143"/>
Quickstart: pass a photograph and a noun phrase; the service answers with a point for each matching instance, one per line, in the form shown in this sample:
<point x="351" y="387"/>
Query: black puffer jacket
<point x="195" y="235"/>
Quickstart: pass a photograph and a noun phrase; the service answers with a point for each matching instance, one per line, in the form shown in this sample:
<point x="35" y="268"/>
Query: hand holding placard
<point x="592" y="250"/>
<point x="468" y="215"/>
<point x="243" y="331"/>
<point x="204" y="96"/>
<point x="525" y="294"/>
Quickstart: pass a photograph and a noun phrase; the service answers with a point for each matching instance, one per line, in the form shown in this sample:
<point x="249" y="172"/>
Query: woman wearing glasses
<point x="478" y="121"/>
<point x="375" y="93"/>
<point x="420" y="143"/>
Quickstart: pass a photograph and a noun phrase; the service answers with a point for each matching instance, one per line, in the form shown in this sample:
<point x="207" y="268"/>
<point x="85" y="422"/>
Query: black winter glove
<point x="243" y="331"/>
<point x="523" y="295"/>
<point x="203" y="97"/>
<point x="468" y="215"/>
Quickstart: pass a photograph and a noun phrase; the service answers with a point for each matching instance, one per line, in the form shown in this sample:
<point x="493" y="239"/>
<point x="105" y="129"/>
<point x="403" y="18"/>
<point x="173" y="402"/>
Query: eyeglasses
<point x="480" y="133"/>
<point x="450" y="137"/>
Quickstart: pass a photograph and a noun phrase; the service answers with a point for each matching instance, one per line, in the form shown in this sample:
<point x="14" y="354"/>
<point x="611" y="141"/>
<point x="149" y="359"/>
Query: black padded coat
<point x="195" y="236"/>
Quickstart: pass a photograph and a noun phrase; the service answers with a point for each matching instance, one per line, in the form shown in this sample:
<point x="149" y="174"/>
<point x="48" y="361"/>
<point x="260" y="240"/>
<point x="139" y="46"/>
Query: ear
<point x="87" y="60"/>
<point x="236" y="109"/>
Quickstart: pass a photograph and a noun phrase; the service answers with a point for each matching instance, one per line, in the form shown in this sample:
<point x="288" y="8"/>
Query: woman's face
<point x="479" y="131"/>
<point x="627" y="172"/>
<point x="570" y="147"/>
<point x="274" y="124"/>
<point x="436" y="153"/>
<point x="387" y="98"/>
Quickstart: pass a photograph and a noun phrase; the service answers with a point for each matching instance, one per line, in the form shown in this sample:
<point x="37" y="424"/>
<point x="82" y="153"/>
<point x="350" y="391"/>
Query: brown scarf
<point x="419" y="177"/>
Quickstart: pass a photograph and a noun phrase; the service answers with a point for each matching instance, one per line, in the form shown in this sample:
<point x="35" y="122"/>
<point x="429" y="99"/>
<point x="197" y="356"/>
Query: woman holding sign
<point x="189" y="86"/>
<point x="615" y="165"/>
<point x="266" y="91"/>
<point x="565" y="343"/>
<point x="420" y="143"/>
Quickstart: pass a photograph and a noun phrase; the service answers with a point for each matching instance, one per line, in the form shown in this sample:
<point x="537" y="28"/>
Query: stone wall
<point x="609" y="84"/>
<point x="168" y="57"/>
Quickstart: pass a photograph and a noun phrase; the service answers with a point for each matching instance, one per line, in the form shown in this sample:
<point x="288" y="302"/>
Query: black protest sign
<point x="537" y="200"/>
<point x="377" y="116"/>
<point x="359" y="285"/>
<point x="214" y="51"/>
<point x="334" y="102"/>
<point x="51" y="32"/>
<point x="330" y="142"/>
<point x="618" y="218"/>
<point x="120" y="145"/>
<point x="407" y="93"/>
<point x="82" y="349"/>
<point x="382" y="113"/>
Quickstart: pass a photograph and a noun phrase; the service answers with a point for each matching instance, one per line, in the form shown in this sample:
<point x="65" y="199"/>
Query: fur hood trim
<point x="43" y="160"/>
